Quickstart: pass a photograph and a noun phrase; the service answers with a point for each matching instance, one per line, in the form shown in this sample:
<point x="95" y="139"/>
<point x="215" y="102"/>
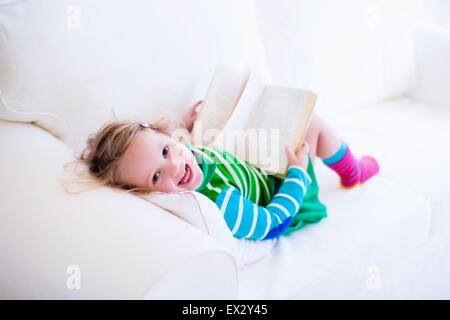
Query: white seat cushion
<point x="332" y="259"/>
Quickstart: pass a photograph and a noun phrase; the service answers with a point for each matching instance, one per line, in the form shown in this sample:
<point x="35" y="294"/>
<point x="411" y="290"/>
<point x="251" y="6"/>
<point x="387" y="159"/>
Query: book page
<point x="229" y="139"/>
<point x="221" y="99"/>
<point x="248" y="99"/>
<point x="281" y="117"/>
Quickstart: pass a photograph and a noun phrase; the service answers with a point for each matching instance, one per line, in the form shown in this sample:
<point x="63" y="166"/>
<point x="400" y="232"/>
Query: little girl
<point x="144" y="157"/>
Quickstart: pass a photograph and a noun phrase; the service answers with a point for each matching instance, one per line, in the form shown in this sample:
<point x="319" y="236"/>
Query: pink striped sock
<point x="350" y="170"/>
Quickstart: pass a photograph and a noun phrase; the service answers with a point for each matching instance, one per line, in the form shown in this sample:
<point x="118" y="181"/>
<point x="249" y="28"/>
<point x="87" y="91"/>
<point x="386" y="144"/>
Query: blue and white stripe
<point x="250" y="221"/>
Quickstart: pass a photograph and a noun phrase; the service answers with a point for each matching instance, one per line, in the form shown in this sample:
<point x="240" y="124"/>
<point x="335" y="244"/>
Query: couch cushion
<point x="367" y="227"/>
<point x="407" y="137"/>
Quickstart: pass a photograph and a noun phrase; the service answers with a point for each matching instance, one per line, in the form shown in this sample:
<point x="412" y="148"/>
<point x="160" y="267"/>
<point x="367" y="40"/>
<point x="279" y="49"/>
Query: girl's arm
<point x="248" y="220"/>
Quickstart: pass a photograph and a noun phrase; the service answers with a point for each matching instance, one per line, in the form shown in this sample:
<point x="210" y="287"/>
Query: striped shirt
<point x="246" y="195"/>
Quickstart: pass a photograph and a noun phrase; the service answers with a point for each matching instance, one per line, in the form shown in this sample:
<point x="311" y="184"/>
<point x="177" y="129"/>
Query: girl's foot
<point x="367" y="167"/>
<point x="351" y="171"/>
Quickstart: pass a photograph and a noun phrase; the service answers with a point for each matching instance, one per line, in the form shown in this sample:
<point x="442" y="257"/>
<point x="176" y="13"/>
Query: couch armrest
<point x="121" y="246"/>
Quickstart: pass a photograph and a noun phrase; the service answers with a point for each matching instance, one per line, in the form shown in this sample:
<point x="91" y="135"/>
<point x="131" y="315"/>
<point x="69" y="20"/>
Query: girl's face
<point x="157" y="162"/>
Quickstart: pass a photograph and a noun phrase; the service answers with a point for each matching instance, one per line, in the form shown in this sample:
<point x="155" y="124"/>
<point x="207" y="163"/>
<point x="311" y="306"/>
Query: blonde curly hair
<point x="101" y="157"/>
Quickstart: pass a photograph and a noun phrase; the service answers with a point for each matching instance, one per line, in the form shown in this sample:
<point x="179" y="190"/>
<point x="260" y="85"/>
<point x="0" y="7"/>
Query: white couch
<point x="67" y="67"/>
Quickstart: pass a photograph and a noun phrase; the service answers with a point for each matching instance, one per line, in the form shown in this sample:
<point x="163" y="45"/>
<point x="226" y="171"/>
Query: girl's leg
<point x="322" y="139"/>
<point x="335" y="153"/>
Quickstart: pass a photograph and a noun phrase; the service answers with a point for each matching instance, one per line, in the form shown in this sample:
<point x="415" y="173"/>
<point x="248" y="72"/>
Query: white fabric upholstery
<point x="199" y="211"/>
<point x="124" y="246"/>
<point x="415" y="159"/>
<point x="433" y="52"/>
<point x="388" y="239"/>
<point x="70" y="65"/>
<point x="78" y="60"/>
<point x="351" y="54"/>
<point x="332" y="259"/>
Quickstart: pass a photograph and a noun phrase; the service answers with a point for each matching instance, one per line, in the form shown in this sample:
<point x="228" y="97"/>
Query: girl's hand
<point x="191" y="116"/>
<point x="300" y="158"/>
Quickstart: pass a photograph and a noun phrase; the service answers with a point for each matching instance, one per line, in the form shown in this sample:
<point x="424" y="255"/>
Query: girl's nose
<point x="177" y="165"/>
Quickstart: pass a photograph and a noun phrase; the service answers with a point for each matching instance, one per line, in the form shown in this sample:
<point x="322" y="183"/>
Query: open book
<point x="252" y="120"/>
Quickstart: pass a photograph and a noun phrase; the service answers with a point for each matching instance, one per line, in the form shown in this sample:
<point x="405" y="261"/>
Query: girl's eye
<point x="155" y="177"/>
<point x="165" y="151"/>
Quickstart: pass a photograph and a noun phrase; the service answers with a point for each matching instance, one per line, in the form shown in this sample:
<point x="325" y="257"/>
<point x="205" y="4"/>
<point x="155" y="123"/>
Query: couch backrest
<point x="350" y="53"/>
<point x="75" y="63"/>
